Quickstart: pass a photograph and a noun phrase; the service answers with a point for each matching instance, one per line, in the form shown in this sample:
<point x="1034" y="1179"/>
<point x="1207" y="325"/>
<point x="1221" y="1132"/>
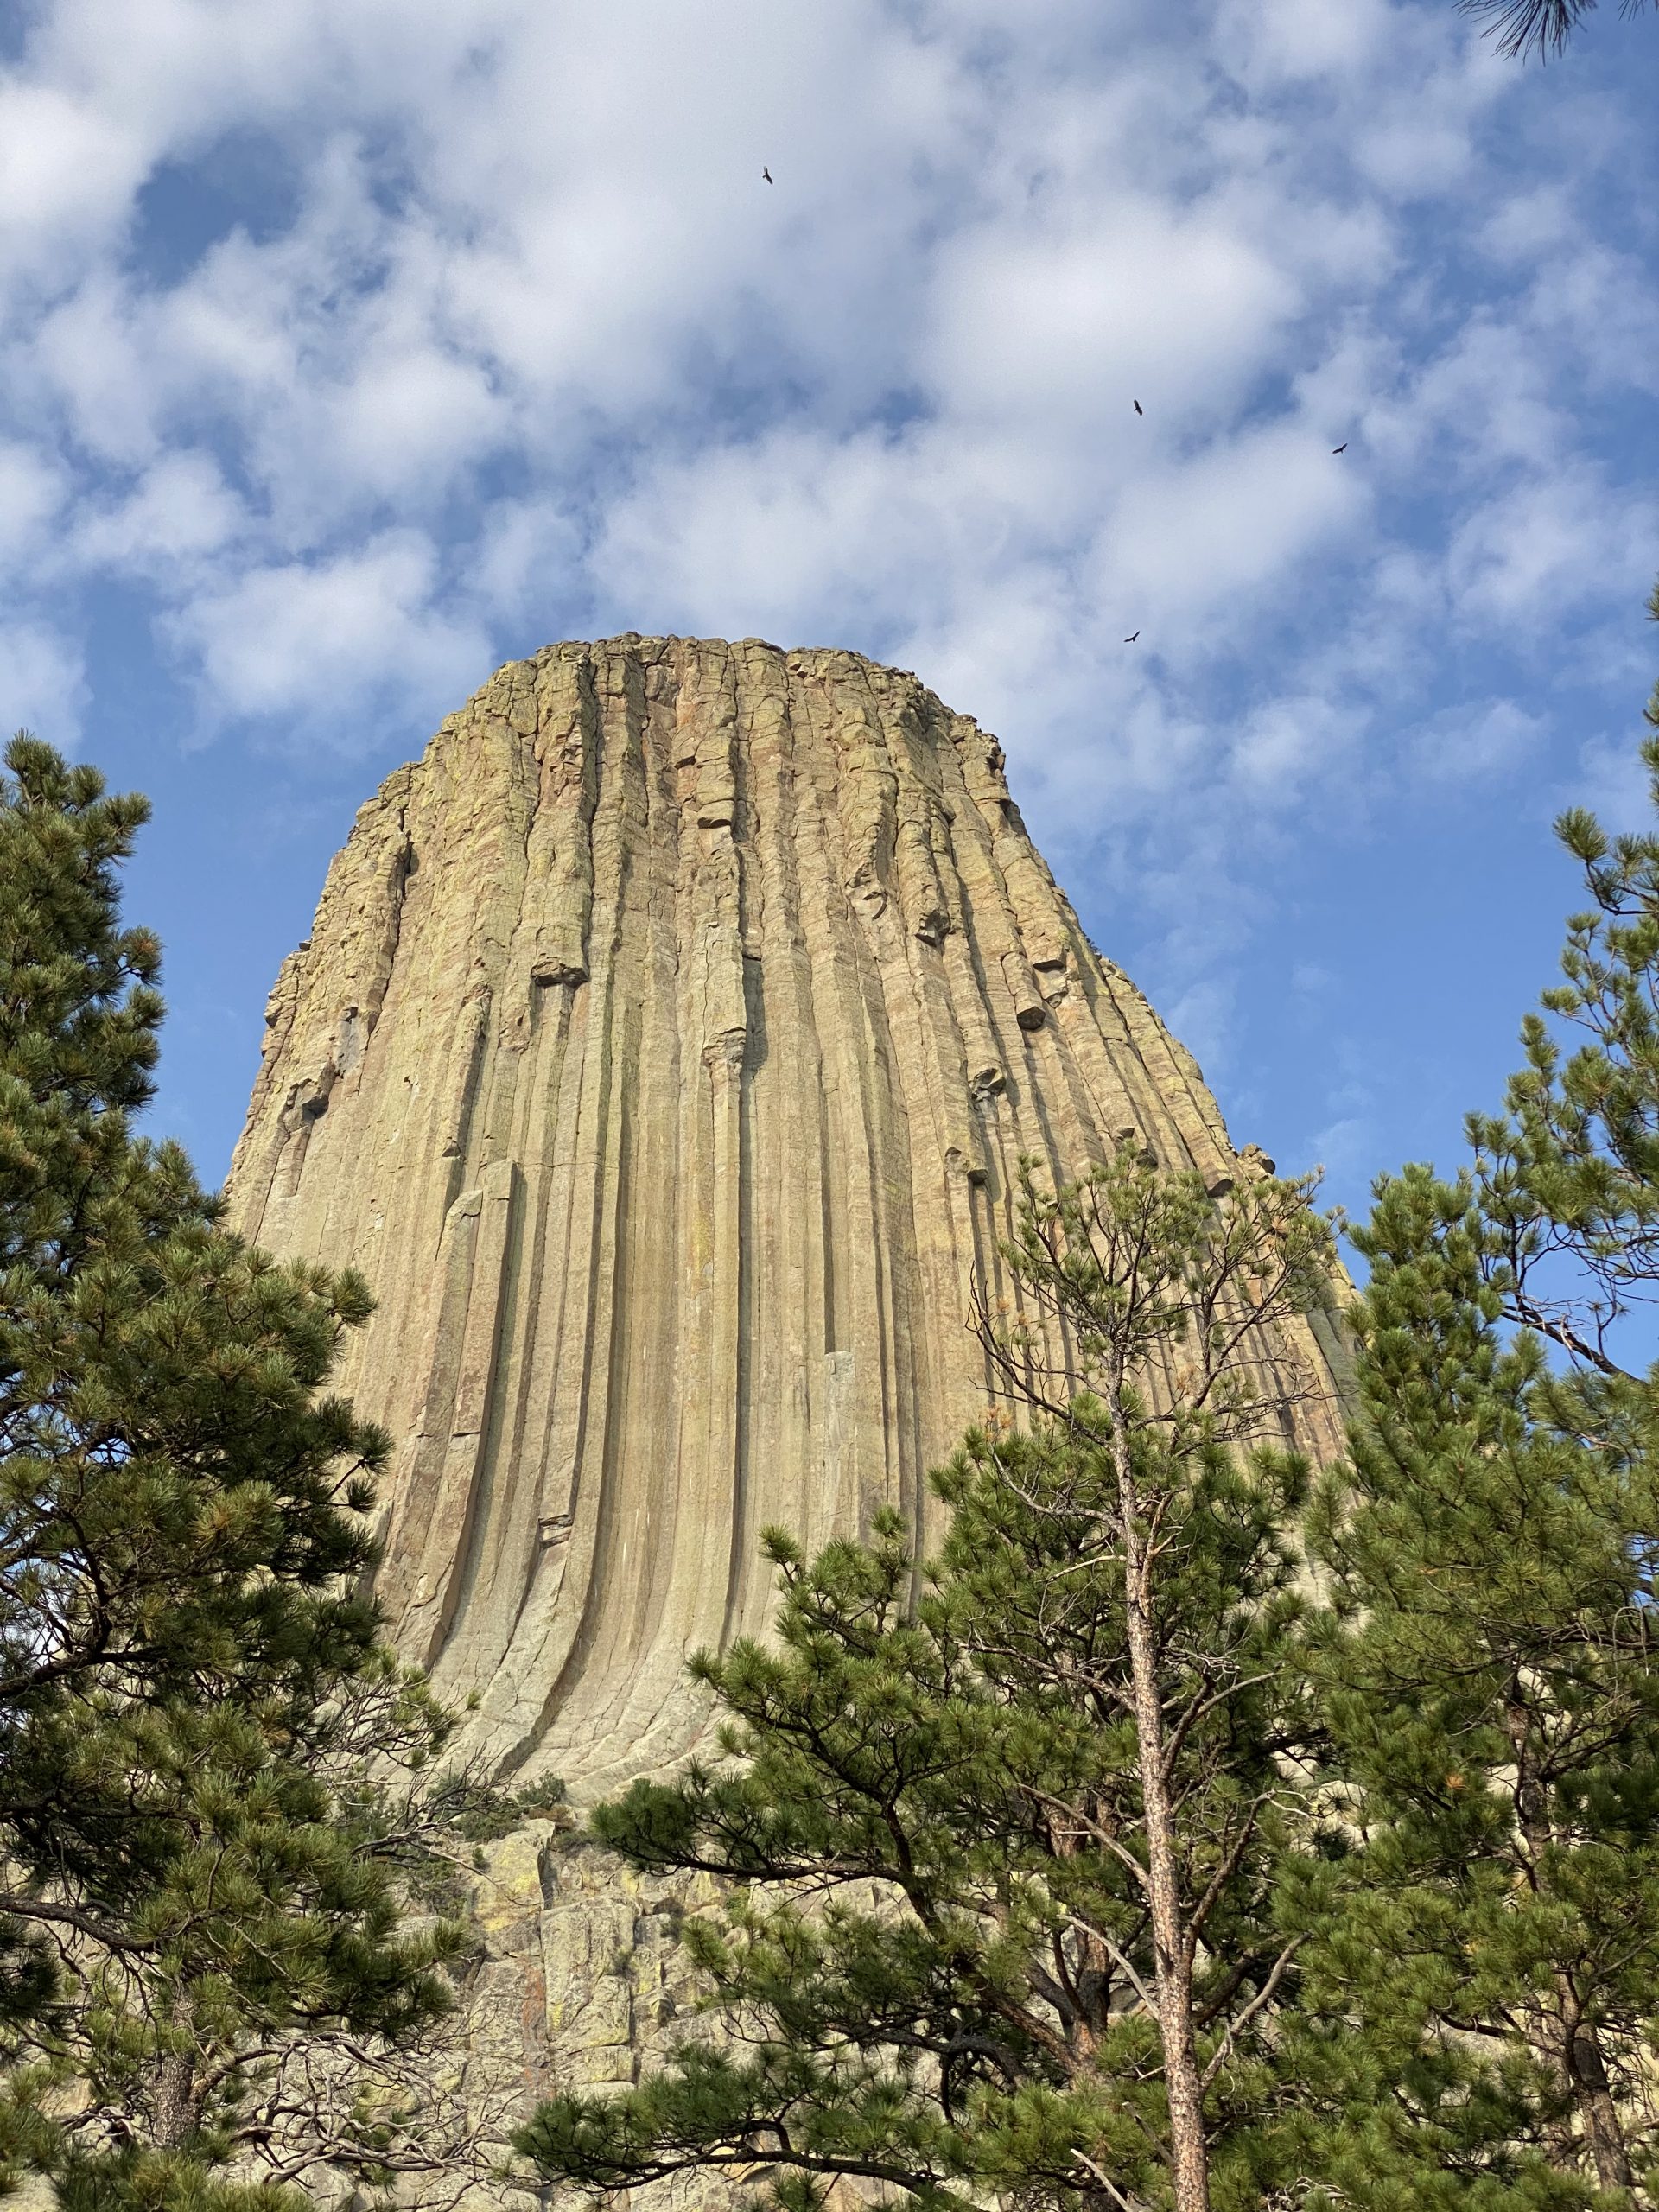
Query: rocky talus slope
<point x="662" y="1051"/>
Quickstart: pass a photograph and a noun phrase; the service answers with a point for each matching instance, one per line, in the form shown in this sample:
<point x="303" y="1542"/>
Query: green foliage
<point x="1493" y="1707"/>
<point x="1493" y="1683"/>
<point x="1567" y="1178"/>
<point x="207" y="1849"/>
<point x="938" y="1969"/>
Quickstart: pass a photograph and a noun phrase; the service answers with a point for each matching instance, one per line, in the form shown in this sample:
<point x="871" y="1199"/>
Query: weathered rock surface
<point x="662" y="1052"/>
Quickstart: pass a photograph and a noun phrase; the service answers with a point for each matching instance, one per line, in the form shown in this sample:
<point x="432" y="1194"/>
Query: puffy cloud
<point x="32" y="489"/>
<point x="1293" y="41"/>
<point x="177" y="511"/>
<point x="1485" y="741"/>
<point x="1063" y="324"/>
<point x="42" y="680"/>
<point x="377" y="340"/>
<point x="1541" y="551"/>
<point x="324" y="645"/>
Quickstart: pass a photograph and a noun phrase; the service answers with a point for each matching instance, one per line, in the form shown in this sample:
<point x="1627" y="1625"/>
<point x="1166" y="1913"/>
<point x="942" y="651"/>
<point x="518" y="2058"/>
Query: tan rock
<point x="662" y="1053"/>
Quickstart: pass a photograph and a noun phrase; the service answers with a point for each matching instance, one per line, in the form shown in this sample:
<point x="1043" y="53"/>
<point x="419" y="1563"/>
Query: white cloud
<point x="1062" y="324"/>
<point x="1294" y="40"/>
<point x="1346" y="1149"/>
<point x="1289" y="742"/>
<point x="1550" y="544"/>
<point x="1479" y="743"/>
<point x="523" y="331"/>
<point x="32" y="489"/>
<point x="179" y="510"/>
<point x="522" y="565"/>
<point x="1609" y="778"/>
<point x="1233" y="522"/>
<point x="337" y="639"/>
<point x="42" y="685"/>
<point x="67" y="173"/>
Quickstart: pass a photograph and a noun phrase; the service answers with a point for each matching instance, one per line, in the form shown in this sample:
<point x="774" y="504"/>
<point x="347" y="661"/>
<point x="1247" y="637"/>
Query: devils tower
<point x="662" y="1053"/>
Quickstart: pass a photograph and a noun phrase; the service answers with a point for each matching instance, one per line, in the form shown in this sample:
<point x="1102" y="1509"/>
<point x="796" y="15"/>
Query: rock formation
<point x="662" y="1054"/>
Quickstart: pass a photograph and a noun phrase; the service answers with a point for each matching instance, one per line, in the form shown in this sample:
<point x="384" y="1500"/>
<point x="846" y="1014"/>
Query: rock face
<point x="662" y="1053"/>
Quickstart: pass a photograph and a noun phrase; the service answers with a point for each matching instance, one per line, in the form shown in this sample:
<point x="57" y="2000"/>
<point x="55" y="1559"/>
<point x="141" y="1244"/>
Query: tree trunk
<point x="1183" y="2086"/>
<point x="1572" y="2045"/>
<point x="175" y="2099"/>
<point x="1593" y="2094"/>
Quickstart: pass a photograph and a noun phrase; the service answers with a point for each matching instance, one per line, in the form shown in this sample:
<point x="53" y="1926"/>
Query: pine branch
<point x="1540" y="26"/>
<point x="103" y="1932"/>
<point x="1257" y="2004"/>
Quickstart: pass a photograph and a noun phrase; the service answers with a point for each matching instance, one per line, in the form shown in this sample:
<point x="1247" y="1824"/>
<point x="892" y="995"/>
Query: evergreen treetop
<point x="205" y="1853"/>
<point x="1492" y="1680"/>
<point x="989" y="1925"/>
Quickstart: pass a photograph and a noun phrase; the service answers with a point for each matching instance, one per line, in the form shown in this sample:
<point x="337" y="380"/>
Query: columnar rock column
<point x="662" y="1054"/>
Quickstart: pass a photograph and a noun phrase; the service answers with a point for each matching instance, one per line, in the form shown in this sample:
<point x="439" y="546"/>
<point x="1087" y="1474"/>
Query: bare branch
<point x="1262" y="1998"/>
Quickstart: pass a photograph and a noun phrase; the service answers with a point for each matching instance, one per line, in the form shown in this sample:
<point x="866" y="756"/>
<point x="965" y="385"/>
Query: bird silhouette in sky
<point x="767" y="174"/>
<point x="1129" y="641"/>
<point x="1138" y="408"/>
<point x="1343" y="448"/>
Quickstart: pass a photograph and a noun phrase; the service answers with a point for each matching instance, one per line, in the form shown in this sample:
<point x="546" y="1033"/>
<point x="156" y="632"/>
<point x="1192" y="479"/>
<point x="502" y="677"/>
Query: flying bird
<point x="767" y="174"/>
<point x="1343" y="448"/>
<point x="1139" y="409"/>
<point x="1129" y="641"/>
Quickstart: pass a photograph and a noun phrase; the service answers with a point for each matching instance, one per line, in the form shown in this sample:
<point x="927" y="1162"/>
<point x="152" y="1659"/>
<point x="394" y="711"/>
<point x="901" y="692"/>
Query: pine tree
<point x="196" y="1878"/>
<point x="1495" y="1715"/>
<point x="1009" y="1858"/>
<point x="1495" y="1696"/>
<point x="1540" y="26"/>
<point x="1568" y="1176"/>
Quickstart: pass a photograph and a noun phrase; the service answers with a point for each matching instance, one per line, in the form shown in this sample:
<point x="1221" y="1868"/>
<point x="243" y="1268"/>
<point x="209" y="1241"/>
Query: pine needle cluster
<point x="220" y="1819"/>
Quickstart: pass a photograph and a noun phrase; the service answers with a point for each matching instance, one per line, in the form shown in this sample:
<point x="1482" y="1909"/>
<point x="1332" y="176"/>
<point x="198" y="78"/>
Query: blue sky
<point x="347" y="352"/>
